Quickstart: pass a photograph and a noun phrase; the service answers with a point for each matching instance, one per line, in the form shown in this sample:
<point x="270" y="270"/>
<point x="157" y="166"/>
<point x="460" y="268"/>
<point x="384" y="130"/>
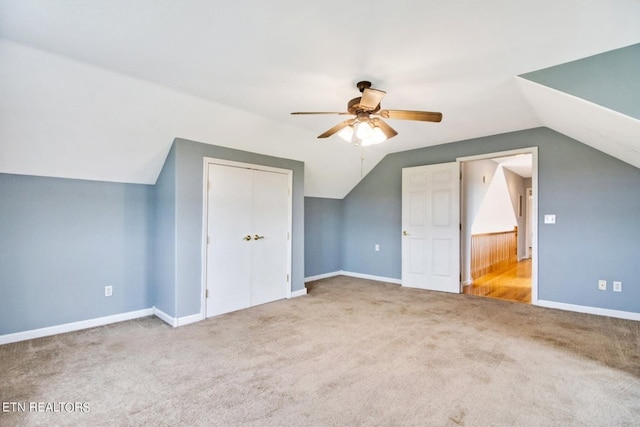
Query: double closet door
<point x="248" y="234"/>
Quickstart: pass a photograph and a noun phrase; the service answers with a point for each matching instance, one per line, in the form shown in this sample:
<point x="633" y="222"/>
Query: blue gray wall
<point x="62" y="241"/>
<point x="596" y="199"/>
<point x="610" y="79"/>
<point x="323" y="236"/>
<point x="188" y="230"/>
<point x="164" y="238"/>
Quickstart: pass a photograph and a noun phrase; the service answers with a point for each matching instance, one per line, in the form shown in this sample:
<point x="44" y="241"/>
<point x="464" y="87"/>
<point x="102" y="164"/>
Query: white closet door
<point x="270" y="224"/>
<point x="229" y="254"/>
<point x="247" y="226"/>
<point x="430" y="224"/>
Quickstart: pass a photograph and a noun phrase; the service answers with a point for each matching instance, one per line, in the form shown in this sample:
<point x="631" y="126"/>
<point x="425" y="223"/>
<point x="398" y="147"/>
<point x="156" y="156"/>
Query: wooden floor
<point x="511" y="283"/>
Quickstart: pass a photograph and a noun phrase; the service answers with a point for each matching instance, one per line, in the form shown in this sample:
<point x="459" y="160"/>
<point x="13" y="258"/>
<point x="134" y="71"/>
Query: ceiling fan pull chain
<point x="362" y="157"/>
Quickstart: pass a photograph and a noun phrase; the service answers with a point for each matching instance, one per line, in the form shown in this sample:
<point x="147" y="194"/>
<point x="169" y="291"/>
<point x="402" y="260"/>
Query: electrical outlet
<point x="108" y="291"/>
<point x="617" y="286"/>
<point x="602" y="285"/>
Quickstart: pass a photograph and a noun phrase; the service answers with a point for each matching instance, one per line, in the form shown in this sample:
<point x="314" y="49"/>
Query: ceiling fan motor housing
<point x="353" y="107"/>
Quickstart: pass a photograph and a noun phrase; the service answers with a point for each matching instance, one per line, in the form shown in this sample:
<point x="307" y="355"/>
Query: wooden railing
<point x="491" y="251"/>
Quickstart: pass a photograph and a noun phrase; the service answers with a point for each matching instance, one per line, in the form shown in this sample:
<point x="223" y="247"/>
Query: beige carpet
<point x="351" y="353"/>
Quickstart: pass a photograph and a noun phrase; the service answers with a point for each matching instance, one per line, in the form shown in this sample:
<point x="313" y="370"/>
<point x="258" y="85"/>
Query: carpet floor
<point x="352" y="352"/>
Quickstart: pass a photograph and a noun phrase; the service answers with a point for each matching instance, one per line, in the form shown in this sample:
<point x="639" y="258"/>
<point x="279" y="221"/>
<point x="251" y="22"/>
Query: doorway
<point x="498" y="223"/>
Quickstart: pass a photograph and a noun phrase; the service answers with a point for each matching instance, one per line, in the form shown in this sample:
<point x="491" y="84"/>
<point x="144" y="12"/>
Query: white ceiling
<point x="520" y="164"/>
<point x="99" y="89"/>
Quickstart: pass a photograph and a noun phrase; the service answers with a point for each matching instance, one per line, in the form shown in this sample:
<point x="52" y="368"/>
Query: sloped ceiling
<point x="595" y="100"/>
<point x="99" y="89"/>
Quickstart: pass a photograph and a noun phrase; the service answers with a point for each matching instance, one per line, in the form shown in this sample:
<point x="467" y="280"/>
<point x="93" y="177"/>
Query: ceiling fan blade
<point x="423" y="116"/>
<point x="336" y="128"/>
<point x="371" y="98"/>
<point x="388" y="131"/>
<point x="317" y="112"/>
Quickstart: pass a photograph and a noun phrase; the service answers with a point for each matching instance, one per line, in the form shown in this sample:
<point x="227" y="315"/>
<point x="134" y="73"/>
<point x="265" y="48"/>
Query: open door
<point x="431" y="227"/>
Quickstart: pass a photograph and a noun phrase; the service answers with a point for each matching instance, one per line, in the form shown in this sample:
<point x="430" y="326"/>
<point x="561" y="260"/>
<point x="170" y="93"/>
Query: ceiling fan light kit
<point x="368" y="128"/>
<point x="363" y="133"/>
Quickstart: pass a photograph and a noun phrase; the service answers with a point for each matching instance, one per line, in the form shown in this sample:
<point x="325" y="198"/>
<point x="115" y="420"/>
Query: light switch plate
<point x="617" y="286"/>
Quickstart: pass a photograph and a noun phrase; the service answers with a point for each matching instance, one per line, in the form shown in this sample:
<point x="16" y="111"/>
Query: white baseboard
<point x="590" y="310"/>
<point x="74" y="326"/>
<point x="371" y="277"/>
<point x="177" y="321"/>
<point x="172" y="321"/>
<point x="352" y="274"/>
<point x="298" y="293"/>
<point x="186" y="320"/>
<point x="322" y="276"/>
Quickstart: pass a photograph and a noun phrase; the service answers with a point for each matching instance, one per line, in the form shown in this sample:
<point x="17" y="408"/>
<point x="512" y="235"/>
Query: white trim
<point x="74" y="326"/>
<point x="534" y="207"/>
<point x="186" y="320"/>
<point x="352" y="274"/>
<point x="177" y="321"/>
<point x="492" y="155"/>
<point x="371" y="277"/>
<point x="629" y="315"/>
<point x="298" y="293"/>
<point x="289" y="231"/>
<point x="205" y="226"/>
<point x="205" y="229"/>
<point x="172" y="321"/>
<point x="322" y="276"/>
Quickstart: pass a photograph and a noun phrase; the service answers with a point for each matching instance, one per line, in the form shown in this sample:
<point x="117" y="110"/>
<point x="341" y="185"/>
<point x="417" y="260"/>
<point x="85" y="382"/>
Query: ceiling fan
<point x="367" y="127"/>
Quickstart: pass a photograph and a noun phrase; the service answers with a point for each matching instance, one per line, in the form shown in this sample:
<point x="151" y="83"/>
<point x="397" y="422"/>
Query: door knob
<point x="404" y="233"/>
<point x="256" y="237"/>
<point x="247" y="237"/>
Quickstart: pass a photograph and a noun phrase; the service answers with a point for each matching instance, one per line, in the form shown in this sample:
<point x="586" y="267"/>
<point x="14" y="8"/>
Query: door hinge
<point x="208" y="240"/>
<point x="206" y="293"/>
<point x="460" y="175"/>
<point x="208" y="185"/>
<point x="460" y="226"/>
<point x="288" y="237"/>
<point x="287" y="277"/>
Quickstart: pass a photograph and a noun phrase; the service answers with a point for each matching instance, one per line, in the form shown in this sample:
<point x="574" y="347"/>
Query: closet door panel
<point x="229" y="252"/>
<point x="270" y="226"/>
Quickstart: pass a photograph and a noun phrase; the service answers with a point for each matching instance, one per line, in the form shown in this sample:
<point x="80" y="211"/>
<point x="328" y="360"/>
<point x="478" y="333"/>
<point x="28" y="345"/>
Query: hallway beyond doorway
<point x="513" y="282"/>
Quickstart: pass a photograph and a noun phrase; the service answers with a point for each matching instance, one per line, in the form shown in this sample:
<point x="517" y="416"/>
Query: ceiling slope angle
<point x="100" y="89"/>
<point x="65" y="118"/>
<point x="609" y="131"/>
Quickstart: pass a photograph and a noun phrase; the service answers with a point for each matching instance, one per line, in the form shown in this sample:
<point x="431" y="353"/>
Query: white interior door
<point x="248" y="230"/>
<point x="229" y="235"/>
<point x="270" y="228"/>
<point x="431" y="227"/>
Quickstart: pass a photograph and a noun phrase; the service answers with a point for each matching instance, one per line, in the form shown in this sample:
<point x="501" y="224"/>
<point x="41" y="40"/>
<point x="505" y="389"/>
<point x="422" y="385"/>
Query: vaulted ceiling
<point x="99" y="89"/>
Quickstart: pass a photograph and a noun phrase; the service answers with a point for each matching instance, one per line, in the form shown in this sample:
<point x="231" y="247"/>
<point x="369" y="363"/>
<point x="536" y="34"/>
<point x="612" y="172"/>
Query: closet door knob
<point x="247" y="237"/>
<point x="256" y="237"/>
